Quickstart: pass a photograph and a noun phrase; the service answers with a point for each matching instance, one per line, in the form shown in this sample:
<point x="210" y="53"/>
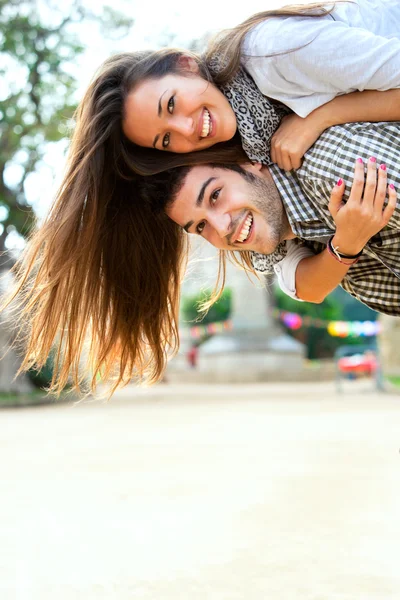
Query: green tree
<point x="39" y="41"/>
<point x="219" y="311"/>
<point x="37" y="96"/>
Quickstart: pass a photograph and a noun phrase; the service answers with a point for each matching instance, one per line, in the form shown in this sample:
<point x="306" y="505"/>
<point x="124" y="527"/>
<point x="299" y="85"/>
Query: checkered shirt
<point x="375" y="278"/>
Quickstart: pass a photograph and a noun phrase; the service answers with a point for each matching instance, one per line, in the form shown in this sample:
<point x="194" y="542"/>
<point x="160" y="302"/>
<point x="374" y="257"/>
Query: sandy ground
<point x="257" y="492"/>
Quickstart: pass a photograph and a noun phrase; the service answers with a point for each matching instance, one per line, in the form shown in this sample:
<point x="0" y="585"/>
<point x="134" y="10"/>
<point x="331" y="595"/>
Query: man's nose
<point x="183" y="125"/>
<point x="221" y="223"/>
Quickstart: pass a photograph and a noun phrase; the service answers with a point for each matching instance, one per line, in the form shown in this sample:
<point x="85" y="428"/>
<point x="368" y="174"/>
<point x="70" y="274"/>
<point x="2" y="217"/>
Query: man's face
<point x="231" y="210"/>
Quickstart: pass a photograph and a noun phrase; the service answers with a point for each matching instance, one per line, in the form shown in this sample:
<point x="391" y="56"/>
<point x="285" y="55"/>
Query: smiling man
<point x="234" y="208"/>
<point x="255" y="209"/>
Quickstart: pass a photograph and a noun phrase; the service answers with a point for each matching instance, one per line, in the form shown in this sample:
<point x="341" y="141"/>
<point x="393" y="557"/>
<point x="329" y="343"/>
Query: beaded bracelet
<point x="339" y="256"/>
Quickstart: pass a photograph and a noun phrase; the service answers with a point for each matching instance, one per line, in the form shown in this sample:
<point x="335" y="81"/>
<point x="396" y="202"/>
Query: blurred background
<point x="265" y="464"/>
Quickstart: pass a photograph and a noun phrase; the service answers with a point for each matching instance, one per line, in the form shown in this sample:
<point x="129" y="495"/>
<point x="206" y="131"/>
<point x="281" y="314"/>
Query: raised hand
<point x="365" y="213"/>
<point x="291" y="141"/>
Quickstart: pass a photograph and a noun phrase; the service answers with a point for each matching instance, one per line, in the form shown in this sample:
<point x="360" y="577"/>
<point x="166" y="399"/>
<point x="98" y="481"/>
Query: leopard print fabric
<point x="258" y="117"/>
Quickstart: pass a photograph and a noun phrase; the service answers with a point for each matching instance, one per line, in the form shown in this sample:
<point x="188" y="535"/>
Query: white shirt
<point x="285" y="270"/>
<point x="357" y="47"/>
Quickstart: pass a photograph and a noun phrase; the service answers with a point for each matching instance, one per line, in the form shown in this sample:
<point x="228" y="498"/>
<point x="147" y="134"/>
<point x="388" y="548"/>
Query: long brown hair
<point x="102" y="267"/>
<point x="107" y="274"/>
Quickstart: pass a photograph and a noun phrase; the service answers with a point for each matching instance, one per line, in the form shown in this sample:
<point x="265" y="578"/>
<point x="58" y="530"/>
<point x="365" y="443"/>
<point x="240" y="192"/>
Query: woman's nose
<point x="183" y="125"/>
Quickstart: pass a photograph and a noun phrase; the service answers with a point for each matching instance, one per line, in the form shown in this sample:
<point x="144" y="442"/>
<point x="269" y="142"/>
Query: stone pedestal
<point x="256" y="349"/>
<point x="389" y="345"/>
<point x="9" y="359"/>
<point x="249" y="356"/>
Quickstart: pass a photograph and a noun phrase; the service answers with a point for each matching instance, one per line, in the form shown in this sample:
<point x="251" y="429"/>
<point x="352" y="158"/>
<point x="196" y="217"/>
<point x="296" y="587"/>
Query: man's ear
<point x="252" y="166"/>
<point x="188" y="64"/>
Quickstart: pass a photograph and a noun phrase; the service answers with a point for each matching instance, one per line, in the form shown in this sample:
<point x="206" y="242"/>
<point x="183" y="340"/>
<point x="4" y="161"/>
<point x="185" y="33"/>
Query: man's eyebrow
<point x="199" y="200"/>
<point x="159" y="113"/>
<point x="188" y="226"/>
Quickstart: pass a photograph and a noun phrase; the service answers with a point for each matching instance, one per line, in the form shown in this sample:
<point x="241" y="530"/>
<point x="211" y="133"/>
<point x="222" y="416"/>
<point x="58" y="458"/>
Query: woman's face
<point x="178" y="113"/>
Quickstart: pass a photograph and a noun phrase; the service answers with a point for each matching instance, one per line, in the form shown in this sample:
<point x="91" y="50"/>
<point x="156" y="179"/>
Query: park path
<point x="286" y="492"/>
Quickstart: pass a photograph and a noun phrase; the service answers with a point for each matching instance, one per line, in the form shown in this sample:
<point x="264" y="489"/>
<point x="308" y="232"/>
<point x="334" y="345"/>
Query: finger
<point x="296" y="161"/>
<point x="391" y="205"/>
<point x="286" y="161"/>
<point x="357" y="186"/>
<point x="370" y="183"/>
<point x="336" y="199"/>
<point x="380" y="193"/>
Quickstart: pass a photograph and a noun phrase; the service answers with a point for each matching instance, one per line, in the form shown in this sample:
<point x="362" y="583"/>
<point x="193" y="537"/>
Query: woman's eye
<point x="200" y="227"/>
<point x="214" y="196"/>
<point x="171" y="104"/>
<point x="165" y="142"/>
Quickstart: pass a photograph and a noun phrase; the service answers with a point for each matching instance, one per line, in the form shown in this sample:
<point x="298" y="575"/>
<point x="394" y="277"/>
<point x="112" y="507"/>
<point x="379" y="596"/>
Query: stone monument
<point x="256" y="349"/>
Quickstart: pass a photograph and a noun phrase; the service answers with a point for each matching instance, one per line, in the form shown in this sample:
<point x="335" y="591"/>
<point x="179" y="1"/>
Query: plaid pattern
<point x="375" y="278"/>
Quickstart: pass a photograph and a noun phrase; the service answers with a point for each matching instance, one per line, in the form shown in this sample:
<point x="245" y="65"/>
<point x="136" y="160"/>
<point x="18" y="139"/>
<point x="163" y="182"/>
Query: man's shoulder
<point x="334" y="153"/>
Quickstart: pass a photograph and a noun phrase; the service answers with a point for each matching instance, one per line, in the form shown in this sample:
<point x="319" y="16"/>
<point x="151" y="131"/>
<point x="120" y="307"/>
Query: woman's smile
<point x="178" y="113"/>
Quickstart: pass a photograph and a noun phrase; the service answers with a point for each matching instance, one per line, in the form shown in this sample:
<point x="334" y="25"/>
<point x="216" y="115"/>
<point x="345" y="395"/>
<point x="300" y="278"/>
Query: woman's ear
<point x="187" y="63"/>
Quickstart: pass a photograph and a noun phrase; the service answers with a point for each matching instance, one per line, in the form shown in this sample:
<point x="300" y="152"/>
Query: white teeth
<point x="244" y="234"/>
<point x="207" y="124"/>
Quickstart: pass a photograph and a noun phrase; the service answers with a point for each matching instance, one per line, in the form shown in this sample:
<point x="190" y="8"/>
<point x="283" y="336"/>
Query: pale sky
<point x="154" y="20"/>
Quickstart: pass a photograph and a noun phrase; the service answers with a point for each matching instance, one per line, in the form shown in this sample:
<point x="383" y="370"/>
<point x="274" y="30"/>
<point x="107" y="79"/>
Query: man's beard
<point x="265" y="197"/>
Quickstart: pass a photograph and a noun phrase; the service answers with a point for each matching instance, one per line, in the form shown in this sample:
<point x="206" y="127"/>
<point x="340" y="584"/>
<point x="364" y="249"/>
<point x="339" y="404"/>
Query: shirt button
<point x="278" y="269"/>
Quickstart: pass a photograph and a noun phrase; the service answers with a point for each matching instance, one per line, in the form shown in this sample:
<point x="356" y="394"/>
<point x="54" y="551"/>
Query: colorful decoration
<point x="335" y="328"/>
<point x="294" y="321"/>
<point x="210" y="329"/>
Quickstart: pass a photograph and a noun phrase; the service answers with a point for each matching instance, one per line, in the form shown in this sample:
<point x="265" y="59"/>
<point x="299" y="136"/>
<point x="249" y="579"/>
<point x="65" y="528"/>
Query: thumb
<point x="336" y="199"/>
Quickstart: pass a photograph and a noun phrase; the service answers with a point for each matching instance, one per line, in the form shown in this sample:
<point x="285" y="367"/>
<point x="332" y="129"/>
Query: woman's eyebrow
<point x="159" y="113"/>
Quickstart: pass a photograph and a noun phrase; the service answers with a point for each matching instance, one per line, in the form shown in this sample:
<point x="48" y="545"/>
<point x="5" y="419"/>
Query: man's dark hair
<point x="160" y="191"/>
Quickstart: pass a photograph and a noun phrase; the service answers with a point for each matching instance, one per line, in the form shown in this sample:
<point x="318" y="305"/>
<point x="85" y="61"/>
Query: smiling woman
<point x="180" y="113"/>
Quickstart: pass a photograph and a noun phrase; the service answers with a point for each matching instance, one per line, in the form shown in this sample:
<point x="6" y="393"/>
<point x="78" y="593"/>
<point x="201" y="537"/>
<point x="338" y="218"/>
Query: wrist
<point x="321" y="118"/>
<point x="343" y="259"/>
<point x="346" y="246"/>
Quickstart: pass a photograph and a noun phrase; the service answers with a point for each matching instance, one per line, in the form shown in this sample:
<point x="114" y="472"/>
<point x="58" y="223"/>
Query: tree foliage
<point x="220" y="311"/>
<point x="38" y="43"/>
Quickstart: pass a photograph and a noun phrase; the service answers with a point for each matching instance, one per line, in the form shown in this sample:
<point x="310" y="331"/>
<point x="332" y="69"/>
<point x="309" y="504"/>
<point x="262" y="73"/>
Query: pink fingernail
<point x="383" y="167"/>
<point x="391" y="186"/>
<point x="339" y="183"/>
<point x="359" y="160"/>
<point x="372" y="159"/>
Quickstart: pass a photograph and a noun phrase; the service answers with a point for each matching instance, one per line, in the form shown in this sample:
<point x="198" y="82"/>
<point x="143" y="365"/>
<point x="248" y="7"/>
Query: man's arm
<point x="317" y="276"/>
<point x="363" y="215"/>
<point x="296" y="134"/>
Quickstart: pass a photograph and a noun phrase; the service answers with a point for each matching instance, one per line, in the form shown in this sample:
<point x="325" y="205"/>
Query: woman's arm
<point x="296" y="134"/>
<point x="363" y="215"/>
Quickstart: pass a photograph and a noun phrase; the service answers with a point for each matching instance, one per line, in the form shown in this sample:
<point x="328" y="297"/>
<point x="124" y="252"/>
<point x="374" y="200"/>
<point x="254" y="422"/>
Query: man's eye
<point x="165" y="142"/>
<point x="200" y="227"/>
<point x="171" y="105"/>
<point x="214" y="196"/>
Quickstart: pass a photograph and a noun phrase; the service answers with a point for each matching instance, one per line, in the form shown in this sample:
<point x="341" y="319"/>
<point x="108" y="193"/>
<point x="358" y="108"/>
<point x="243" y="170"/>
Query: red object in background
<point x="192" y="356"/>
<point x="359" y="363"/>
